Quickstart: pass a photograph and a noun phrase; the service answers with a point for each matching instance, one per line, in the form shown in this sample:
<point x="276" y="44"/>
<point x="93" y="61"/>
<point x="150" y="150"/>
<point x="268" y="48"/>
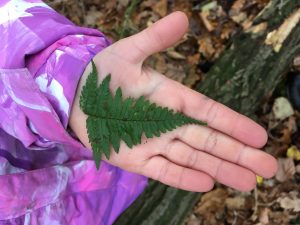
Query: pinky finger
<point x="161" y="169"/>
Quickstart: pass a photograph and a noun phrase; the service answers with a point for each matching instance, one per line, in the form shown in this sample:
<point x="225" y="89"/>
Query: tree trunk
<point x="242" y="77"/>
<point x="255" y="63"/>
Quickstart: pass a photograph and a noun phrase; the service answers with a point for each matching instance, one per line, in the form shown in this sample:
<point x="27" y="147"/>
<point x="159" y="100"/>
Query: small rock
<point x="282" y="108"/>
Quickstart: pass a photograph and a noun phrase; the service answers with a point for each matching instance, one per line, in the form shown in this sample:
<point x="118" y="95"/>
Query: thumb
<point x="161" y="35"/>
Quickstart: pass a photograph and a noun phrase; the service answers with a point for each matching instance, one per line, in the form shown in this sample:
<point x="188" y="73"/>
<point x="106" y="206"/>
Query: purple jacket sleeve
<point x="45" y="173"/>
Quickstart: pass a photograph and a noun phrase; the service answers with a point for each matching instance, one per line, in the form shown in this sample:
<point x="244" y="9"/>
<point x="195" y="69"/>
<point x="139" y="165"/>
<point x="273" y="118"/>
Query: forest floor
<point x="212" y="24"/>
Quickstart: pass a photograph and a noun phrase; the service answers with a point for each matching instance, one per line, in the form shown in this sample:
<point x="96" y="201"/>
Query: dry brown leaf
<point x="211" y="205"/>
<point x="192" y="78"/>
<point x="238" y="5"/>
<point x="211" y="201"/>
<point x="123" y="3"/>
<point x="175" y="72"/>
<point x="110" y="5"/>
<point x="161" y="7"/>
<point x="291" y="202"/>
<point x="237" y="202"/>
<point x="264" y="216"/>
<point x="92" y="16"/>
<point x="239" y="18"/>
<point x="247" y="24"/>
<point x="286" y="136"/>
<point x="286" y="169"/>
<point x="193" y="59"/>
<point x="147" y="4"/>
<point x="160" y="63"/>
<point x="204" y="17"/>
<point x="292" y="124"/>
<point x="206" y="47"/>
<point x="278" y="217"/>
<point x="226" y="33"/>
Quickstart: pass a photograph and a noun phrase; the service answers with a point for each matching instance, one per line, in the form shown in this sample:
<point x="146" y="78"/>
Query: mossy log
<point x="248" y="71"/>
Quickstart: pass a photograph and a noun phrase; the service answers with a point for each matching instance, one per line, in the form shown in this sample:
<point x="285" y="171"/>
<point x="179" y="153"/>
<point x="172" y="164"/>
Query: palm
<point x="191" y="157"/>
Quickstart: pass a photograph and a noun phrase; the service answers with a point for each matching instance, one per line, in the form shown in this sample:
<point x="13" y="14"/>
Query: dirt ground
<point x="212" y="24"/>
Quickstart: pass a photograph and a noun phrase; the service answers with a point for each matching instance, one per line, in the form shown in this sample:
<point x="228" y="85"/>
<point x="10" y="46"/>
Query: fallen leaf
<point x="247" y="24"/>
<point x="161" y="7"/>
<point x="238" y="5"/>
<point x="237" y="202"/>
<point x="211" y="206"/>
<point x="289" y="203"/>
<point x="160" y="63"/>
<point x="123" y="3"/>
<point x="286" y="169"/>
<point x="192" y="78"/>
<point x="204" y="17"/>
<point x="92" y="16"/>
<point x="293" y="152"/>
<point x="175" y="72"/>
<point x="292" y="124"/>
<point x="264" y="216"/>
<point x="193" y="59"/>
<point x="259" y="180"/>
<point x="211" y="201"/>
<point x="206" y="47"/>
<point x="240" y="18"/>
<point x="227" y="32"/>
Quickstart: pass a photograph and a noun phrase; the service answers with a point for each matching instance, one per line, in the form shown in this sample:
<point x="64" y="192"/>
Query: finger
<point x="229" y="149"/>
<point x="217" y="116"/>
<point x="161" y="35"/>
<point x="224" y="172"/>
<point x="161" y="169"/>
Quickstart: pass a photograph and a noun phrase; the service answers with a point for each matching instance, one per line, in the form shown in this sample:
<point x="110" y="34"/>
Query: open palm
<point x="191" y="157"/>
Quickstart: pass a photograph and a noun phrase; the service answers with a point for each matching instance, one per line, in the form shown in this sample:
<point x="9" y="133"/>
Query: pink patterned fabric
<point x="46" y="175"/>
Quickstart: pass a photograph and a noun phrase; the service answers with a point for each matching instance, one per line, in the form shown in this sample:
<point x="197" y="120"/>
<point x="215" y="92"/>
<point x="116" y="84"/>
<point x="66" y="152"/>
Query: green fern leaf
<point x="112" y="119"/>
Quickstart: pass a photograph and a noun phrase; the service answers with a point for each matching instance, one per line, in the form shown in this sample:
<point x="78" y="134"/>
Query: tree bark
<point x="247" y="72"/>
<point x="255" y="63"/>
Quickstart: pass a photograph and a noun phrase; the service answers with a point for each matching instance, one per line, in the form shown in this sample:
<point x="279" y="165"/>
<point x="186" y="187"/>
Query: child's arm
<point x="191" y="157"/>
<point x="44" y="171"/>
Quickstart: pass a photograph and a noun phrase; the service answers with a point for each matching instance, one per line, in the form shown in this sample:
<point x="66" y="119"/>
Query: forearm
<point x="43" y="56"/>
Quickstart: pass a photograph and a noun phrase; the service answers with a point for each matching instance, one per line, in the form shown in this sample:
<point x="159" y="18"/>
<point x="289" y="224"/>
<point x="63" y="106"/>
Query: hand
<point x="191" y="157"/>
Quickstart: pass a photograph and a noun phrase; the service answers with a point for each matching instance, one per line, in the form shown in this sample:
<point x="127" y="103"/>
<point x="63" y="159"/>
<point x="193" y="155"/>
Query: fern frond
<point x="112" y="119"/>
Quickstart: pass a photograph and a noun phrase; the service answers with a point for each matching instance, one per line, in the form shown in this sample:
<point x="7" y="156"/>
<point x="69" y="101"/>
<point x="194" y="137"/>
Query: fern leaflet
<point x="112" y="119"/>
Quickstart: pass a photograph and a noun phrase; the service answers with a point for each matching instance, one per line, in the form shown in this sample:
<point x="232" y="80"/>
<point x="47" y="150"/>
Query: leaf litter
<point x="212" y="24"/>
